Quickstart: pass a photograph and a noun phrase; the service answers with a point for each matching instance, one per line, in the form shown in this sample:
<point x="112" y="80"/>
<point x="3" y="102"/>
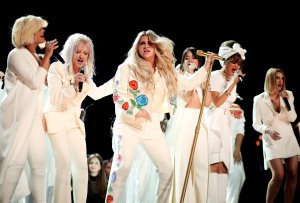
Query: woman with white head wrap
<point x="223" y="91"/>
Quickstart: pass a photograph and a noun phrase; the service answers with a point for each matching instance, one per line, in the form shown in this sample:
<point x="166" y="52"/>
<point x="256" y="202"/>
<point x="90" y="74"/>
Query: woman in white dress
<point x="223" y="90"/>
<point x="273" y="110"/>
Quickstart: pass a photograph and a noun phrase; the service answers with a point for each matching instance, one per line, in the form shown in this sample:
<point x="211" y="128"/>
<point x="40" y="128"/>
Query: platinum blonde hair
<point x="25" y="28"/>
<point x="164" y="61"/>
<point x="70" y="48"/>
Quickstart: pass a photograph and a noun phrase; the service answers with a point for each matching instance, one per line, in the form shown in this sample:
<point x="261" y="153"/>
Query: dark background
<point x="269" y="33"/>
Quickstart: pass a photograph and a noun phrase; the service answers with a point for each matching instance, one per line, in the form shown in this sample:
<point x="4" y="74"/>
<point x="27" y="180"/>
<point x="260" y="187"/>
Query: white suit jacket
<point x="64" y="103"/>
<point x="264" y="112"/>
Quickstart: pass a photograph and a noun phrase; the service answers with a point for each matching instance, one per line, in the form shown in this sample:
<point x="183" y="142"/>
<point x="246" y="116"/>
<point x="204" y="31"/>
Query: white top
<point x="131" y="95"/>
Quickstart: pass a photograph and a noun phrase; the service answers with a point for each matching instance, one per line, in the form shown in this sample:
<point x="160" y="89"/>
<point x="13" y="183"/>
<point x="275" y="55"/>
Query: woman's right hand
<point x="79" y="77"/>
<point x="209" y="60"/>
<point x="49" y="48"/>
<point x="143" y="114"/>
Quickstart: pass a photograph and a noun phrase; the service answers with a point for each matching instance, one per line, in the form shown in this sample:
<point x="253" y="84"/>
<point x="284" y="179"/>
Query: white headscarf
<point x="226" y="52"/>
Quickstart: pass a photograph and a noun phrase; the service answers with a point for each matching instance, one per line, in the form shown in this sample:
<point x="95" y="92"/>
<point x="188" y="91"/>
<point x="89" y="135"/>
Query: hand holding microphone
<point x="51" y="48"/>
<point x="285" y="99"/>
<point x="240" y="75"/>
<point x="80" y="83"/>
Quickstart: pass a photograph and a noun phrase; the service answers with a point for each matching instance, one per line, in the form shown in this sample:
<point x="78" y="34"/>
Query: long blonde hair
<point x="164" y="60"/>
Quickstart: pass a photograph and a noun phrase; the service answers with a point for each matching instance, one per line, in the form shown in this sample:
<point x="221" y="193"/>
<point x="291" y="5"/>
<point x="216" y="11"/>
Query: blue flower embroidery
<point x="142" y="100"/>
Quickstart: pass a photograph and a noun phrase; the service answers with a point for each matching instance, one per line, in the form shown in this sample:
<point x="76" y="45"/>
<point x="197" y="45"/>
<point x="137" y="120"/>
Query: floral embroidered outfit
<point x="131" y="96"/>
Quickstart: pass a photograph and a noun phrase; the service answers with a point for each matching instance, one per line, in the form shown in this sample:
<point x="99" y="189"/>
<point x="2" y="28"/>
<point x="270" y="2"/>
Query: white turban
<point x="226" y="52"/>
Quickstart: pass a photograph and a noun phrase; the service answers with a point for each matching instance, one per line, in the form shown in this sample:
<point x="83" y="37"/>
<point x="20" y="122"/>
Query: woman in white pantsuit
<point x="65" y="129"/>
<point x="21" y="129"/>
<point x="272" y="117"/>
<point x="144" y="87"/>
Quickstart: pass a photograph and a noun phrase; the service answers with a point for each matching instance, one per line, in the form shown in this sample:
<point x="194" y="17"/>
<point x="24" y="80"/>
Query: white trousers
<point x="217" y="187"/>
<point x="236" y="180"/>
<point x="126" y="139"/>
<point x="69" y="150"/>
<point x="32" y="151"/>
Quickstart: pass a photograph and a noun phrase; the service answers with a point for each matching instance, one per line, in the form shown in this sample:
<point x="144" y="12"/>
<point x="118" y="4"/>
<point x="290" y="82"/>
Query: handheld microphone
<point x="239" y="98"/>
<point x="80" y="84"/>
<point x="287" y="104"/>
<point x="55" y="53"/>
<point x="240" y="77"/>
<point x="58" y="56"/>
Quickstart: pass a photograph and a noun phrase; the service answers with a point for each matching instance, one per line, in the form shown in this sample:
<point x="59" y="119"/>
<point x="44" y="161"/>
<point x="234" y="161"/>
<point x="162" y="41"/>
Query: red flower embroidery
<point x="133" y="84"/>
<point x="125" y="106"/>
<point x="119" y="160"/>
<point x="116" y="97"/>
<point x="109" y="199"/>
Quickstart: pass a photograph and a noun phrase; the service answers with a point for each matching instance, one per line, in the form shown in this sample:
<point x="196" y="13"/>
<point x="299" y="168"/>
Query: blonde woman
<point x="22" y="133"/>
<point x="65" y="128"/>
<point x="144" y="87"/>
<point x="273" y="110"/>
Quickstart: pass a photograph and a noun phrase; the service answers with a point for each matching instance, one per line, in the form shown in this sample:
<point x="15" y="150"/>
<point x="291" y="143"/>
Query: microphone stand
<point x="197" y="130"/>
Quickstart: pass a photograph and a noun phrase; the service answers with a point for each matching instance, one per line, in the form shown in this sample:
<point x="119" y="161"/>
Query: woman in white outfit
<point x="273" y="110"/>
<point x="22" y="133"/>
<point x="144" y="87"/>
<point x="65" y="129"/>
<point x="223" y="90"/>
<point x="181" y="132"/>
<point x="236" y="176"/>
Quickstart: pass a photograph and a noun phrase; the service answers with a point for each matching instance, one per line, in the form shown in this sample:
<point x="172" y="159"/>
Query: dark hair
<point x="236" y="59"/>
<point x="193" y="50"/>
<point x="101" y="179"/>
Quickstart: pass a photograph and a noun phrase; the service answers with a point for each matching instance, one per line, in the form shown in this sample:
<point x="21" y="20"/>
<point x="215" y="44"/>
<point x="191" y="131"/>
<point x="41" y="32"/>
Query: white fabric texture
<point x="22" y="133"/>
<point x="237" y="175"/>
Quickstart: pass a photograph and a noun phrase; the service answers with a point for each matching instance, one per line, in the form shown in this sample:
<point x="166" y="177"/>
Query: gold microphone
<point x="202" y="53"/>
